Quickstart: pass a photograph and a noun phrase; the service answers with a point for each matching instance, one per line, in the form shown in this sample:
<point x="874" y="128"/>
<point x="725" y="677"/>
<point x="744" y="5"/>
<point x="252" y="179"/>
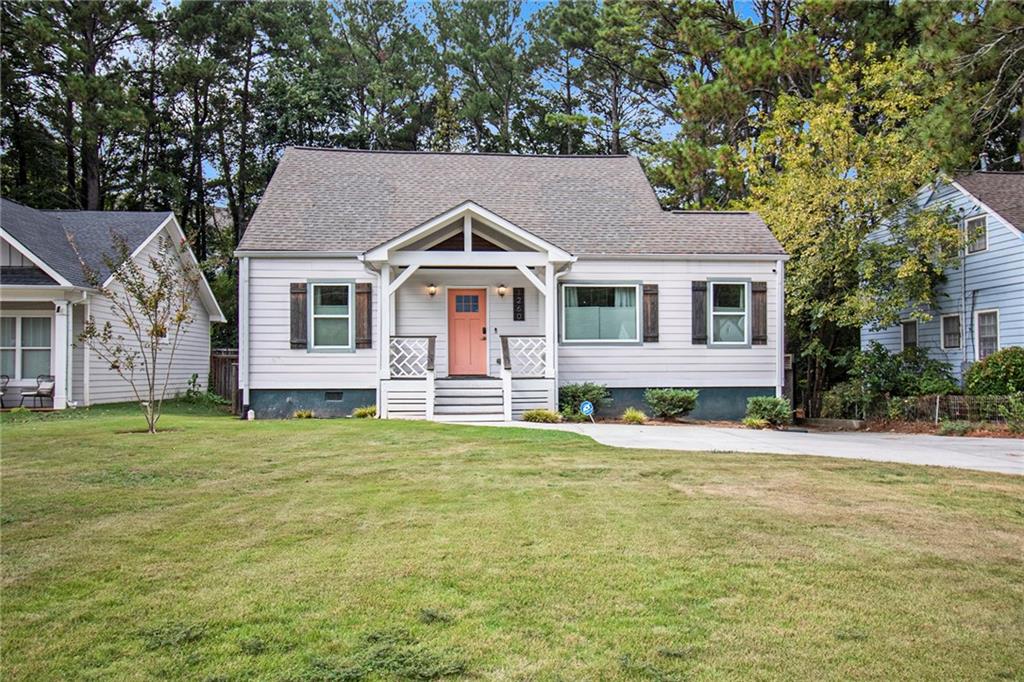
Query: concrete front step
<point x="467" y="383"/>
<point x="467" y="409"/>
<point x="480" y="417"/>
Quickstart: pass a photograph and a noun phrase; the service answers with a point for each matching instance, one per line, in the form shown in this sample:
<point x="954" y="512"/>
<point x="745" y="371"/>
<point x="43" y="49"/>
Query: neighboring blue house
<point x="980" y="305"/>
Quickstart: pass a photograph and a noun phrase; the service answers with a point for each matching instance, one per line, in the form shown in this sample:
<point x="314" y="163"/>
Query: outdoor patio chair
<point x="4" y="380"/>
<point x="44" y="390"/>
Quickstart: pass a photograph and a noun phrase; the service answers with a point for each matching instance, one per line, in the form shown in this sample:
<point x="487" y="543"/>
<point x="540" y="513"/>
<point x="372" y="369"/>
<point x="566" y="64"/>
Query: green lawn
<point x="347" y="550"/>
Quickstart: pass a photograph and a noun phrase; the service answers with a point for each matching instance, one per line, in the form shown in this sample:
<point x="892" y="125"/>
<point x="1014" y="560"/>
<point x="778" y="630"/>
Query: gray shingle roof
<point x="353" y="200"/>
<point x="63" y="239"/>
<point x="1002" y="191"/>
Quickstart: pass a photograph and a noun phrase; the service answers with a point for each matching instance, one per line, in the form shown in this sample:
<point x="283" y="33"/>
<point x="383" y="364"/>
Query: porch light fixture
<point x="432" y="289"/>
<point x="502" y="290"/>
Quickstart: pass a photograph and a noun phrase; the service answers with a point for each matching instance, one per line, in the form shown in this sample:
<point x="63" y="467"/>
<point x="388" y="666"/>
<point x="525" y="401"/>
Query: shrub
<point x="1001" y="373"/>
<point x="302" y="414"/>
<point x="847" y="399"/>
<point x="634" y="416"/>
<point x="1013" y="413"/>
<point x="954" y="428"/>
<point x="670" y="403"/>
<point x="571" y="395"/>
<point x="365" y="412"/>
<point x="195" y="395"/>
<point x="908" y="373"/>
<point x="542" y="416"/>
<point x="775" y="411"/>
<point x="755" y="423"/>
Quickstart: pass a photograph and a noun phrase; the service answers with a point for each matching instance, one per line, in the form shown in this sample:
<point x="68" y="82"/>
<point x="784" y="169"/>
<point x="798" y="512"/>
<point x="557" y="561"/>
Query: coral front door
<point x="467" y="332"/>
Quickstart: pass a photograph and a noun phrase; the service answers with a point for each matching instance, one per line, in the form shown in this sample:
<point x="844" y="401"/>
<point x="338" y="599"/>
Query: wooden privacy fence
<point x="955" y="407"/>
<point x="224" y="376"/>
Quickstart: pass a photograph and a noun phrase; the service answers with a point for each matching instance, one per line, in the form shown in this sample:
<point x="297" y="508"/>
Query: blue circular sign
<point x="586" y="408"/>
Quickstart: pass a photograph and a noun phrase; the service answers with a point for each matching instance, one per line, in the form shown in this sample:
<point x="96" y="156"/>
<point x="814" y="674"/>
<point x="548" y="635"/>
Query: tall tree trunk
<point x="70" y="171"/>
<point x="243" y="147"/>
<point x="90" y="123"/>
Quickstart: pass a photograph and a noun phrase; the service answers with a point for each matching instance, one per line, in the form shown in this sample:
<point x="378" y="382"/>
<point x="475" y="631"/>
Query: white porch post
<point x="780" y="327"/>
<point x="550" y="320"/>
<point x="61" y="319"/>
<point x="384" y="359"/>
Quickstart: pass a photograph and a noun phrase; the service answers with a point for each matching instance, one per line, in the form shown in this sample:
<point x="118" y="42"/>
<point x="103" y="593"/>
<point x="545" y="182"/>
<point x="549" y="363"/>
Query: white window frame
<point x="968" y="242"/>
<point x="977" y="332"/>
<point x="712" y="283"/>
<point x="639" y="301"/>
<point x="917" y="334"/>
<point x="16" y="378"/>
<point x="313" y="316"/>
<point x="942" y="331"/>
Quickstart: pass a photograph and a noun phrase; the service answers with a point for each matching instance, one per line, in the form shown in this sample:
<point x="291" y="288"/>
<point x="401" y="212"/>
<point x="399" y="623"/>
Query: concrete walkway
<point x="1004" y="455"/>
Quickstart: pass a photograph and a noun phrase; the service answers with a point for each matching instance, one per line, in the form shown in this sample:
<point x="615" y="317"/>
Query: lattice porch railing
<point x="524" y="356"/>
<point x="411" y="356"/>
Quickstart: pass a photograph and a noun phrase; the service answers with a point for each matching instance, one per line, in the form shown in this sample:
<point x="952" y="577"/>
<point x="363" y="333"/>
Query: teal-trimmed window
<point x="25" y="346"/>
<point x="606" y="313"/>
<point x="331" y="316"/>
<point x="728" y="319"/>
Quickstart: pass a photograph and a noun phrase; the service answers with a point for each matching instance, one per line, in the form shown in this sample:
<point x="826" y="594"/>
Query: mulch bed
<point x="983" y="430"/>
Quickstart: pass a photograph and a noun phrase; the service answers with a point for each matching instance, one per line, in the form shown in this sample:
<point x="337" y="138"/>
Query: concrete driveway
<point x="1004" y="455"/>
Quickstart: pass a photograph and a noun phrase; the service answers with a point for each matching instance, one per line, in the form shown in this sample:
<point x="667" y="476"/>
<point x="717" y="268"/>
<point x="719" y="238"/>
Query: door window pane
<point x="605" y="313"/>
<point x="8" y="332"/>
<point x="7" y="362"/>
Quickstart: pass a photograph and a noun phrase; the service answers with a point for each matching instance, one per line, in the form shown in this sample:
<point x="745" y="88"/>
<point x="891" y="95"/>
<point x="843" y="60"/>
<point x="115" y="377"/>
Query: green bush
<point x="634" y="416"/>
<point x="1001" y="373"/>
<point x="847" y="400"/>
<point x="1013" y="413"/>
<point x="755" y="423"/>
<point x="542" y="416"/>
<point x="670" y="403"/>
<point x="954" y="428"/>
<point x="775" y="411"/>
<point x="365" y="412"/>
<point x="196" y="395"/>
<point x="571" y="395"/>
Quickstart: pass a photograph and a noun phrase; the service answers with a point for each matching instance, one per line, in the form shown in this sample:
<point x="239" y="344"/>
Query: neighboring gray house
<point x="980" y="303"/>
<point x="45" y="299"/>
<point x="470" y="286"/>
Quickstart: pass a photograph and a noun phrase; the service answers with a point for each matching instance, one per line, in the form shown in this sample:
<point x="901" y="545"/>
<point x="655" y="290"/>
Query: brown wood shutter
<point x="364" y="315"/>
<point x="759" y="310"/>
<point x="299" y="338"/>
<point x="651" y="313"/>
<point x="699" y="313"/>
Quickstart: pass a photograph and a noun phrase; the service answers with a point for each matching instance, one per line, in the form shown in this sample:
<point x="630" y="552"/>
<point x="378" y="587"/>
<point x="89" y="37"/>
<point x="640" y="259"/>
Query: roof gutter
<point x="768" y="257"/>
<point x="266" y="253"/>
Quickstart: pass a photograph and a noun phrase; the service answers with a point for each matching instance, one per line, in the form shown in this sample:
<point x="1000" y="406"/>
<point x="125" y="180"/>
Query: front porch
<point x="468" y="312"/>
<point x="37" y="332"/>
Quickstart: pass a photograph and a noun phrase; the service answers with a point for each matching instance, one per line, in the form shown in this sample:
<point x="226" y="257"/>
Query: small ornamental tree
<point x="154" y="301"/>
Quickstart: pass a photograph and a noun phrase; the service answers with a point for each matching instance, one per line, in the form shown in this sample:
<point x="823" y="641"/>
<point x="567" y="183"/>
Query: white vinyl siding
<point x="674" y="360"/>
<point x="192" y="355"/>
<point x="273" y="363"/>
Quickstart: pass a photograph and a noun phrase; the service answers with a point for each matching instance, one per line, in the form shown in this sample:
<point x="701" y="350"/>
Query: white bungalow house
<point x="470" y="286"/>
<point x="46" y="298"/>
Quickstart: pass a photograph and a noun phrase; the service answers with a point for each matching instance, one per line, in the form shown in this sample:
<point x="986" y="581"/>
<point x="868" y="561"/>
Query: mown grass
<point x="358" y="549"/>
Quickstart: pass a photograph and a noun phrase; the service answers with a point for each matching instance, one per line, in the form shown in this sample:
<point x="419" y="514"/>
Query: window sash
<point x="347" y="317"/>
<point x="976" y="234"/>
<point x="988" y="333"/>
<point x="720" y="316"/>
<point x="951" y="338"/>
<point x="617" y="320"/>
<point x="906" y="326"/>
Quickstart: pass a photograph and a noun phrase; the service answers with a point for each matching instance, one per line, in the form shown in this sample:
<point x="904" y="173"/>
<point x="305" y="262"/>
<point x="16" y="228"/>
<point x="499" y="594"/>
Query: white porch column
<point x="550" y="320"/>
<point x="384" y="364"/>
<point x="59" y="356"/>
<point x="780" y="327"/>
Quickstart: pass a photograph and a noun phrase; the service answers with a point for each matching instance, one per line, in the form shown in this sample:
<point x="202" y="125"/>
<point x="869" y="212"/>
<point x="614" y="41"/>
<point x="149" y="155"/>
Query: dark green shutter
<point x="759" y="312"/>
<point x="299" y="313"/>
<point x="699" y="312"/>
<point x="650" y="313"/>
